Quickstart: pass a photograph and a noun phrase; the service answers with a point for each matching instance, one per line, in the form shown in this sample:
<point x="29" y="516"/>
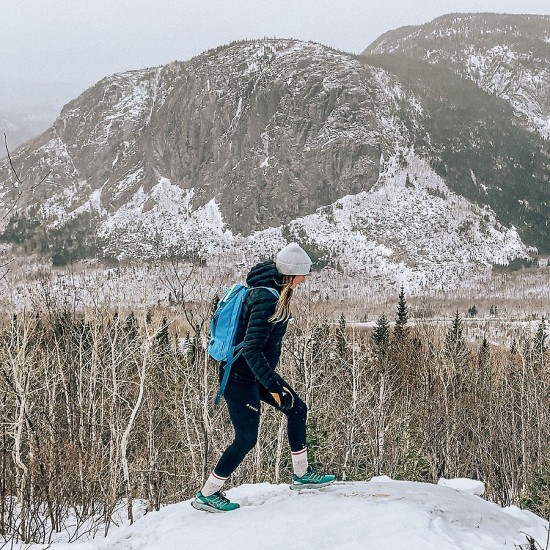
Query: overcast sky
<point x="79" y="41"/>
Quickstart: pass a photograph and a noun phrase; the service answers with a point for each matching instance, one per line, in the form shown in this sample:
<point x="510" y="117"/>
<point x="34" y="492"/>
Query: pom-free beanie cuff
<point x="293" y="260"/>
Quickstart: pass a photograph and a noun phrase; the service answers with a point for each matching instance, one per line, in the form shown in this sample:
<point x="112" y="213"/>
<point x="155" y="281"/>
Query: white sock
<point x="299" y="462"/>
<point x="213" y="484"/>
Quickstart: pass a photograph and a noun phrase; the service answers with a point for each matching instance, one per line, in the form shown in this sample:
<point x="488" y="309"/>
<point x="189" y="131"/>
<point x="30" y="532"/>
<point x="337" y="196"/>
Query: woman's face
<point x="297" y="280"/>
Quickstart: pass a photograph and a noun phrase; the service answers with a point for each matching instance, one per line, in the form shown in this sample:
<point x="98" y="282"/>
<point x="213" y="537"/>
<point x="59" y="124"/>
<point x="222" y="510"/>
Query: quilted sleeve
<point x="257" y="335"/>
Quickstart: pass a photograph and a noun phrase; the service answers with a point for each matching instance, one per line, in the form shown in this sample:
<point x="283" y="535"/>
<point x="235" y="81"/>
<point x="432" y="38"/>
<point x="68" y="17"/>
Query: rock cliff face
<point x="505" y="55"/>
<point x="267" y="130"/>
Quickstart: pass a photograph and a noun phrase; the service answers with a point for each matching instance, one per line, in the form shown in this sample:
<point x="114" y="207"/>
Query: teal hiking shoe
<point x="214" y="503"/>
<point x="311" y="480"/>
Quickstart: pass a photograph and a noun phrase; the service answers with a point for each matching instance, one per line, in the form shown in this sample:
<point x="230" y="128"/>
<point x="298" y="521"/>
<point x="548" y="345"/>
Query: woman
<point x="253" y="378"/>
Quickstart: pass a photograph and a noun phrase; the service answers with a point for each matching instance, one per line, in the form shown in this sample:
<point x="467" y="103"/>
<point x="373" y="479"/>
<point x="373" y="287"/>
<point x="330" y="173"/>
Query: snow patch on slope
<point x="162" y="222"/>
<point x="411" y="228"/>
<point x="93" y="204"/>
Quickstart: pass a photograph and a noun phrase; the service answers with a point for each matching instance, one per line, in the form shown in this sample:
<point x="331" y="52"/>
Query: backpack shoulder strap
<point x="272" y="290"/>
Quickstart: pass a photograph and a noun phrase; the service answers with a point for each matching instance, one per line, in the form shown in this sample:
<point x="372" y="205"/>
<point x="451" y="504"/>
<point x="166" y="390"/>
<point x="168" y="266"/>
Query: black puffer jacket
<point x="262" y="338"/>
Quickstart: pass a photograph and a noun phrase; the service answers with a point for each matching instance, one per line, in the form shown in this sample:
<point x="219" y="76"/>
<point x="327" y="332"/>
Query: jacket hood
<point x="265" y="274"/>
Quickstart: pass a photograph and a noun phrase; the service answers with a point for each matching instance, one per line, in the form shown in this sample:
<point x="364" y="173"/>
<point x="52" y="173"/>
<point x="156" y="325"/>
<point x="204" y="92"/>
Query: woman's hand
<point x="282" y="396"/>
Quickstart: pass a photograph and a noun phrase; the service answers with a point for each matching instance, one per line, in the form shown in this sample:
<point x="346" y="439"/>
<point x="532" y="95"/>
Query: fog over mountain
<point x="28" y="108"/>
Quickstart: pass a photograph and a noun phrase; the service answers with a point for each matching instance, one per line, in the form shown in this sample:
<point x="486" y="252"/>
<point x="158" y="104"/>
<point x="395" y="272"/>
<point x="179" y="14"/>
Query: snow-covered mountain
<point x="258" y="142"/>
<point x="505" y="55"/>
<point x="249" y="125"/>
<point x="378" y="515"/>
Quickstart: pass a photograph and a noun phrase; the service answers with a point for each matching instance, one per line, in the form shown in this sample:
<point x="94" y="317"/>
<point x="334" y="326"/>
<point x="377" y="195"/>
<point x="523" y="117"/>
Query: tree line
<point x="62" y="243"/>
<point x="107" y="407"/>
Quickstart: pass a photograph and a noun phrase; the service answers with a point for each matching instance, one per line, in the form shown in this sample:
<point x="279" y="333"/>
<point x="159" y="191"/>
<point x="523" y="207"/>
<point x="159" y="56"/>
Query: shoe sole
<point x="311" y="485"/>
<point x="208" y="508"/>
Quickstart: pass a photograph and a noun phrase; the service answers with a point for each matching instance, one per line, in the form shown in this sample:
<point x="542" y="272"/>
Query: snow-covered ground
<point x="379" y="515"/>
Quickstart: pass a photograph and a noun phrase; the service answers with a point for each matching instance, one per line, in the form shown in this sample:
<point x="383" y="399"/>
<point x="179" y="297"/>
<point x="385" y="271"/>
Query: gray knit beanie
<point x="293" y="260"/>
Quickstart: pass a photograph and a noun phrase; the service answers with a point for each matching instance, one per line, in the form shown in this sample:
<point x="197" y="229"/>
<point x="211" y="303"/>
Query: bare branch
<point x="11" y="162"/>
<point x="19" y="181"/>
<point x="2" y="266"/>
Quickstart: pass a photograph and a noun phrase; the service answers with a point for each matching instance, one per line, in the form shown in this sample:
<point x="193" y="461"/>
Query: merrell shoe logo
<point x="251" y="407"/>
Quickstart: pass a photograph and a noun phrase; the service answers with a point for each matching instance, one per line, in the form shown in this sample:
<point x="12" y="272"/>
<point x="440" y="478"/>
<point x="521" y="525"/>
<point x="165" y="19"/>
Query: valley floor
<point x="29" y="283"/>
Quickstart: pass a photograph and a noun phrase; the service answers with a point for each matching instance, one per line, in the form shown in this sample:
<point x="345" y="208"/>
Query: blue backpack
<point x="223" y="330"/>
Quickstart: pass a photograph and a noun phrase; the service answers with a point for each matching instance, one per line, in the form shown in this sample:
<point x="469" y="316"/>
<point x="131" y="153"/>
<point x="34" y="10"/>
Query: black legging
<point x="243" y="403"/>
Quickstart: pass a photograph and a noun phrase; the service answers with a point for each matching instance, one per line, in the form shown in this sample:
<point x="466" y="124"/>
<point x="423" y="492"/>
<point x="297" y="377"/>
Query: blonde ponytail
<point x="282" y="310"/>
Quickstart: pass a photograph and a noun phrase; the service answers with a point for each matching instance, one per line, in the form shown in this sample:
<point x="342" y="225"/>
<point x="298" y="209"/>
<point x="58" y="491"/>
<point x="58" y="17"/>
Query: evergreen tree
<point x="341" y="342"/>
<point x="163" y="336"/>
<point x="455" y="344"/>
<point x="400" y="330"/>
<point x="484" y="353"/>
<point x="539" y="341"/>
<point x="381" y="335"/>
<point x="131" y="327"/>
